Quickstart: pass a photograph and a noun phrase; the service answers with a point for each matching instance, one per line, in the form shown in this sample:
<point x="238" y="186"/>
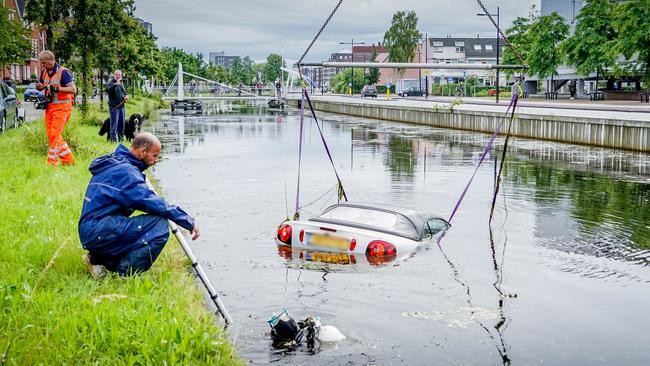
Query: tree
<point x="48" y="14"/>
<point x="237" y="71"/>
<point x="545" y="35"/>
<point x="518" y="36"/>
<point x="14" y="40"/>
<point x="216" y="73"/>
<point x="272" y="69"/>
<point x="170" y="57"/>
<point x="592" y="46"/>
<point x="373" y="73"/>
<point x="339" y="83"/>
<point x="82" y="34"/>
<point x="633" y="22"/>
<point x="403" y="37"/>
<point x="258" y="71"/>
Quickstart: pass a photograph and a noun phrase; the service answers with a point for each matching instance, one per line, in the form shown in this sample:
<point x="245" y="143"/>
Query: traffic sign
<point x="388" y="85"/>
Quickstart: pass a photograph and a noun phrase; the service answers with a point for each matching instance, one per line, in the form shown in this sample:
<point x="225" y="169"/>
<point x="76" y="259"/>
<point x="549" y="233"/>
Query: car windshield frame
<point x="416" y="219"/>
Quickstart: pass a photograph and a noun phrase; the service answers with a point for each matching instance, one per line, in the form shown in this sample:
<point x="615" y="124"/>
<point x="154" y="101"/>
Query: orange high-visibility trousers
<point x="56" y="117"/>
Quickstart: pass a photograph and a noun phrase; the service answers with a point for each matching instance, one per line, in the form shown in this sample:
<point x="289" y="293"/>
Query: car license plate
<point x="325" y="257"/>
<point x="327" y="241"/>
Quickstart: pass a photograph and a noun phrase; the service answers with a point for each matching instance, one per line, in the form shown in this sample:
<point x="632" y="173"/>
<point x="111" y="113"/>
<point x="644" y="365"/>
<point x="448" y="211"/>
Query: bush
<point x="381" y="89"/>
<point x="92" y="118"/>
<point x="35" y="138"/>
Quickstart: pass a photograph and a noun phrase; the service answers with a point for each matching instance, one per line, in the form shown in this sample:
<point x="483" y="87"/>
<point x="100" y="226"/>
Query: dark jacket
<point x="116" y="93"/>
<point x="118" y="188"/>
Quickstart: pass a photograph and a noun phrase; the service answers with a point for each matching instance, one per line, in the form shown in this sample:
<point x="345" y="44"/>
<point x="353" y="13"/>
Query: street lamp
<point x="498" y="48"/>
<point x="351" y="43"/>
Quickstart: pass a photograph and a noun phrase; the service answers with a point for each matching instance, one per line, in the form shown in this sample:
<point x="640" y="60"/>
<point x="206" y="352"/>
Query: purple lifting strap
<point x="302" y="118"/>
<point x="513" y="104"/>
<point x="311" y="107"/>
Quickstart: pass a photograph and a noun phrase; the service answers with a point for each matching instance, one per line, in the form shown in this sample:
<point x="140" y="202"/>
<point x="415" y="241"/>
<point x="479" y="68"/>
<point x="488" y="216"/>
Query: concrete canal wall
<point x="594" y="131"/>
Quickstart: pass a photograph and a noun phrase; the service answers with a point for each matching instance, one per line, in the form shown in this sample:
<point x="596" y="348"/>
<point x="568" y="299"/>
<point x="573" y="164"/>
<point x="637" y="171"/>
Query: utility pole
<point x="426" y="60"/>
<point x="351" y="43"/>
<point x="498" y="47"/>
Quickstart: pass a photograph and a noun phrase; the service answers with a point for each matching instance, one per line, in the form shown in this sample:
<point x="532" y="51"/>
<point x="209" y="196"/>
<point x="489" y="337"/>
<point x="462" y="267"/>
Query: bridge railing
<point x="217" y="91"/>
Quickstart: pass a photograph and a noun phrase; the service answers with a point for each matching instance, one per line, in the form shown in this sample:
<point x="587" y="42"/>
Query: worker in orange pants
<point x="60" y="90"/>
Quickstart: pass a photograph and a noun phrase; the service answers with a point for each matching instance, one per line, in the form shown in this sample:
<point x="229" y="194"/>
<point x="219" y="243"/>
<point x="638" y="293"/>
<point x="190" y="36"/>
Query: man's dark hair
<point x="144" y="139"/>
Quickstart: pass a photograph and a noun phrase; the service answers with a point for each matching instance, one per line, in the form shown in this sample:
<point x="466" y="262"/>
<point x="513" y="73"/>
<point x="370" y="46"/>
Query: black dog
<point x="131" y="128"/>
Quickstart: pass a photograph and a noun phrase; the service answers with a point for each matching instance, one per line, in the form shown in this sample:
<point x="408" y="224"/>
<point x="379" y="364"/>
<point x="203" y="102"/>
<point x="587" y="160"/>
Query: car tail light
<point x="284" y="234"/>
<point x="353" y="244"/>
<point x="379" y="248"/>
<point x="302" y="236"/>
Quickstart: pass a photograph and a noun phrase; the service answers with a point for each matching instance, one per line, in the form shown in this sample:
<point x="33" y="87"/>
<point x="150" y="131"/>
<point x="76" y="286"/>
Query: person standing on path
<point x="117" y="97"/>
<point x="60" y="91"/>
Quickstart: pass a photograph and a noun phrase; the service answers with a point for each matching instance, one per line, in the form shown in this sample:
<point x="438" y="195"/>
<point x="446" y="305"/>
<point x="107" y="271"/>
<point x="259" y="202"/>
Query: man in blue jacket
<point x="115" y="240"/>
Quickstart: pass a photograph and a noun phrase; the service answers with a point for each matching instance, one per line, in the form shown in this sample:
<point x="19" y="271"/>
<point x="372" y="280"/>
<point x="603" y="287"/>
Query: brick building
<point x="24" y="72"/>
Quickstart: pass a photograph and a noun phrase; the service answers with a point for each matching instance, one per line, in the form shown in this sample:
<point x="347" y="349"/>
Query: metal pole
<point x="352" y="70"/>
<point x="420" y="70"/>
<point x="413" y="65"/>
<point x="426" y="60"/>
<point x="498" y="51"/>
<point x="197" y="266"/>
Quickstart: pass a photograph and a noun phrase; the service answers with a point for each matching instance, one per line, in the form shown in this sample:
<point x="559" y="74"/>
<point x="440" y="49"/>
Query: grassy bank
<point x="51" y="310"/>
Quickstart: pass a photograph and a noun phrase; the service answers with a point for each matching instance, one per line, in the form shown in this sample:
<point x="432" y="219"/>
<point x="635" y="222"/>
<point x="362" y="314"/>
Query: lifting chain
<point x="317" y="35"/>
<point x="487" y="13"/>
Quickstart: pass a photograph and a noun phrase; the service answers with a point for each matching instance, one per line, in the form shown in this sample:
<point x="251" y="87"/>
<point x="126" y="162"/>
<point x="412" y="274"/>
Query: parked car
<point x="411" y="92"/>
<point x="369" y="91"/>
<point x="8" y="107"/>
<point x="350" y="233"/>
<point x="31" y="94"/>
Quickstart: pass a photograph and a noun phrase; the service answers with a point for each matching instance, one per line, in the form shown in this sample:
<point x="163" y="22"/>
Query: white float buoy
<point x="329" y="333"/>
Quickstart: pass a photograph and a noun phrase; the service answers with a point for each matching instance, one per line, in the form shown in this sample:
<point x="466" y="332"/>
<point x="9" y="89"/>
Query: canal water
<point x="561" y="277"/>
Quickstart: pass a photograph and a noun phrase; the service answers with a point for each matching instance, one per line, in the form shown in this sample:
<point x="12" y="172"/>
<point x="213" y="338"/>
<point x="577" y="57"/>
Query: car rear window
<point x="372" y="88"/>
<point x="373" y="218"/>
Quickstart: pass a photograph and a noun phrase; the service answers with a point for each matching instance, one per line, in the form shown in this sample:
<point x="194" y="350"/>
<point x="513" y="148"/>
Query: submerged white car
<point x="347" y="232"/>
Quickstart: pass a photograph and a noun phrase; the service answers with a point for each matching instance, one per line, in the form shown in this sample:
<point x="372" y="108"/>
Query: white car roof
<point x="417" y="219"/>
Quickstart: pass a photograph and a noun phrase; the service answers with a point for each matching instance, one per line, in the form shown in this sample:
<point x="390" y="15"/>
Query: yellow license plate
<point x="330" y="242"/>
<point x="324" y="257"/>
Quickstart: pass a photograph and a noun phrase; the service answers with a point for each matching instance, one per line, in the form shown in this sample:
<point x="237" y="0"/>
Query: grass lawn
<point x="51" y="310"/>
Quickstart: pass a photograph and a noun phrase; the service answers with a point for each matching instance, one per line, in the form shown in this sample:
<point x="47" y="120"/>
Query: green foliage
<point x="340" y="81"/>
<point x="633" y="23"/>
<point x="403" y="37"/>
<point x="373" y="75"/>
<point x="242" y="71"/>
<point x="216" y="72"/>
<point x="545" y="35"/>
<point x="14" y="41"/>
<point x="170" y="58"/>
<point x="592" y="47"/>
<point x="49" y="14"/>
<point x="519" y="37"/>
<point x="51" y="311"/>
<point x="272" y="68"/>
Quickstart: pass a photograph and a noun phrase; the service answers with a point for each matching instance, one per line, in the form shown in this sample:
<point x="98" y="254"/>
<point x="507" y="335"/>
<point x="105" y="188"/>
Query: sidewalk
<point x="578" y="109"/>
<point x="601" y="105"/>
<point x="31" y="113"/>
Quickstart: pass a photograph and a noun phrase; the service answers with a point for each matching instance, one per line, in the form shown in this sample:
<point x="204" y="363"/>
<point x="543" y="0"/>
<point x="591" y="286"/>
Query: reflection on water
<point x="561" y="271"/>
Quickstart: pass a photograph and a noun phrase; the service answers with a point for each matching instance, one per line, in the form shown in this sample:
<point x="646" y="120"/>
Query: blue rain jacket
<point x="118" y="188"/>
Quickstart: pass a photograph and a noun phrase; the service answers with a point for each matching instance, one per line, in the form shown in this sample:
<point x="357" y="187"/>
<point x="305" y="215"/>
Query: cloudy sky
<point x="257" y="28"/>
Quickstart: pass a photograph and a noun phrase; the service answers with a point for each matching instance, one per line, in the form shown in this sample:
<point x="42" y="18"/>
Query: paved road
<point x="31" y="113"/>
<point x="613" y="110"/>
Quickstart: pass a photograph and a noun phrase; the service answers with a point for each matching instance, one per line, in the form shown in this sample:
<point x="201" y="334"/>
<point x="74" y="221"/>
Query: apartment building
<point x="30" y="68"/>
